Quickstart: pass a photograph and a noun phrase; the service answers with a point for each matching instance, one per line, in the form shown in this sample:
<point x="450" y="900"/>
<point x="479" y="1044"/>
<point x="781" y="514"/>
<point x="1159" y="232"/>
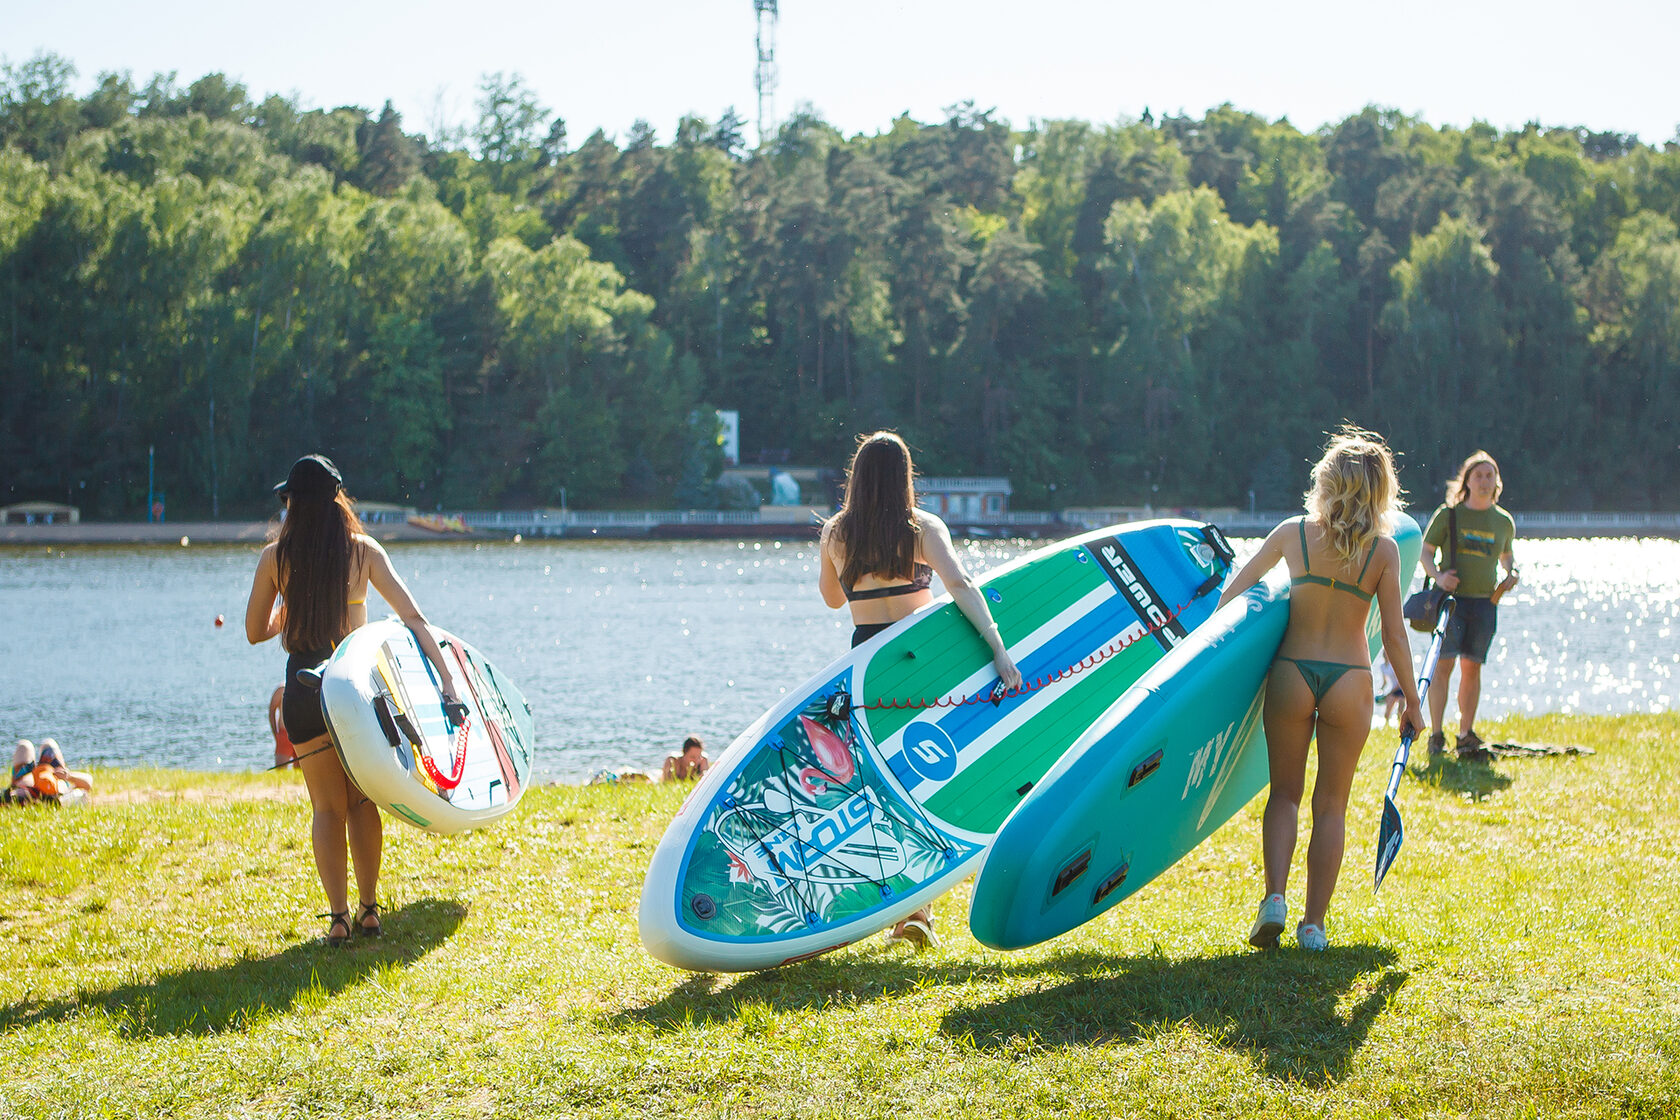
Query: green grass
<point x="1520" y="962"/>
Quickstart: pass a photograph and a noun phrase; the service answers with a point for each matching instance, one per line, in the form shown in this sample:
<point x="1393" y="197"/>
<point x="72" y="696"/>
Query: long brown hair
<point x="314" y="550"/>
<point x="877" y="524"/>
<point x="1355" y="490"/>
<point x="1459" y="488"/>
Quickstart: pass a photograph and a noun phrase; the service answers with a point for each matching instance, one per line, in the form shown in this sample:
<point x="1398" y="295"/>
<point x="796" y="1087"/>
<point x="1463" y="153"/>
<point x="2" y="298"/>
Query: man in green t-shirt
<point x="1484" y="535"/>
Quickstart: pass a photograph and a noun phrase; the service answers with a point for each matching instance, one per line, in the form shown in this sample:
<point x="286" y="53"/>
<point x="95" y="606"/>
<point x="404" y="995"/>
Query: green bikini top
<point x="1329" y="581"/>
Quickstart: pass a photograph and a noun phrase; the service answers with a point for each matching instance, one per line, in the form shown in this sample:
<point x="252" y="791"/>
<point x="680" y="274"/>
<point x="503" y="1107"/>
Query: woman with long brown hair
<point x="879" y="556"/>
<point x="1339" y="557"/>
<point x="311" y="590"/>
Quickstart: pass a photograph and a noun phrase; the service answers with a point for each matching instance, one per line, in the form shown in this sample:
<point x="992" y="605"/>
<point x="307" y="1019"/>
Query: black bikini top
<point x="920" y="581"/>
<point x="1330" y="581"/>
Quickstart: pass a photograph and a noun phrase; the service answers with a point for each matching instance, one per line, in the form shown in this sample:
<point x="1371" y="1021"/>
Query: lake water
<point x="623" y="648"/>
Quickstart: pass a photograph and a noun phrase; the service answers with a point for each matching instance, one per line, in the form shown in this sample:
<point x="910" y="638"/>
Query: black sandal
<point x="339" y="918"/>
<point x="369" y="910"/>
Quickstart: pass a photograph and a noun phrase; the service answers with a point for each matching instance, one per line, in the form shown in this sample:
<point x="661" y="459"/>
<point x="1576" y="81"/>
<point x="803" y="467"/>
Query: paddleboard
<point x="1174" y="758"/>
<point x="876" y="786"/>
<point x="386" y="715"/>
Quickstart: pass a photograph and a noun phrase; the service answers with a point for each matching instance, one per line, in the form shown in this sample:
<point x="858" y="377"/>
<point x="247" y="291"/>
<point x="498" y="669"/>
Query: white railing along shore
<point x="538" y="521"/>
<point x="553" y="520"/>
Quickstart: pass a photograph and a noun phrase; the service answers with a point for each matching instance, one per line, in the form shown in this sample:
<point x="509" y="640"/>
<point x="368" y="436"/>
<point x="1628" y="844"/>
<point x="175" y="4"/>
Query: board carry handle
<point x="459" y="768"/>
<point x="383" y="711"/>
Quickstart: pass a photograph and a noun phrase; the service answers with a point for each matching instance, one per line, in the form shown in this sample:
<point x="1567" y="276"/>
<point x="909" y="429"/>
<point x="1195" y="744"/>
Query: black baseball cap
<point x="312" y="476"/>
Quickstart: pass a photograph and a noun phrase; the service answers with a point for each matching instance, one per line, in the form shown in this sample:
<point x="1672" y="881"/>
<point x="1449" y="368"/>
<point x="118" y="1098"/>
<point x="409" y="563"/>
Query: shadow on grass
<point x="1284" y="1008"/>
<point x="198" y="1001"/>
<point x="838" y="979"/>
<point x="1477" y="780"/>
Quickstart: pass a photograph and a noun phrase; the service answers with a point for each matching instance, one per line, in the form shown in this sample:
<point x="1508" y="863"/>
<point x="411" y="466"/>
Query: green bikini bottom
<point x="1321" y="676"/>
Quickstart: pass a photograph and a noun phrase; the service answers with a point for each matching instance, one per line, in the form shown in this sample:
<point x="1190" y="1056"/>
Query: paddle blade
<point x="1389" y="837"/>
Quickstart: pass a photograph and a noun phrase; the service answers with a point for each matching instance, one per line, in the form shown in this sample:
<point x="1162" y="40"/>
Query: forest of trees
<point x="1169" y="310"/>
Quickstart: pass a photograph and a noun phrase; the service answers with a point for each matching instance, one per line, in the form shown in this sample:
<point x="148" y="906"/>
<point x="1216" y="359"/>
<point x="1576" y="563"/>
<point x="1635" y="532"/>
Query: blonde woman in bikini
<point x="1320" y="684"/>
<point x="879" y="556"/>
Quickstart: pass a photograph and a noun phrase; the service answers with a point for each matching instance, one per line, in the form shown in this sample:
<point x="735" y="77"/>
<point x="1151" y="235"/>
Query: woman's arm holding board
<point x="395" y="592"/>
<point x="942" y="557"/>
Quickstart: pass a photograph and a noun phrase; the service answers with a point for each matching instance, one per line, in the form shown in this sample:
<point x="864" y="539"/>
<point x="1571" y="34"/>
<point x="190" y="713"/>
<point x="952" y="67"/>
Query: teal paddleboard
<point x="877" y="785"/>
<point x="1174" y="758"/>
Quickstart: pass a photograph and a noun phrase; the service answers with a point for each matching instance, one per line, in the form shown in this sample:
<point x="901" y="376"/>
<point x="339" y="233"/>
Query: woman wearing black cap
<point x="311" y="590"/>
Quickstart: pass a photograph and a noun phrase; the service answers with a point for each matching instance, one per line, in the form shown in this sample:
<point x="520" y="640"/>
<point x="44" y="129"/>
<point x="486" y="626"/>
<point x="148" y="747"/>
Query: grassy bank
<point x="1519" y="962"/>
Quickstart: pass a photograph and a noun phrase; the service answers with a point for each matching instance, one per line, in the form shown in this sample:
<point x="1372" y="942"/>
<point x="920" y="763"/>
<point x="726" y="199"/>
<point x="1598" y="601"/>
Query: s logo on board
<point x="930" y="751"/>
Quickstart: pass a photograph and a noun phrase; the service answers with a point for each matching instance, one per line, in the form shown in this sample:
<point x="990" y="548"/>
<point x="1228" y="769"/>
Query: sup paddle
<point x="1390" y="834"/>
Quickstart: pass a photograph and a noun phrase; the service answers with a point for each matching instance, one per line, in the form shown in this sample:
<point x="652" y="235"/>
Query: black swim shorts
<point x="866" y="630"/>
<point x="1470" y="632"/>
<point x="300" y="707"/>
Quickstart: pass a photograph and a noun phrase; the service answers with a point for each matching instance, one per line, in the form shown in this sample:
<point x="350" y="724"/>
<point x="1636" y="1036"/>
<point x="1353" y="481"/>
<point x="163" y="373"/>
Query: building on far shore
<point x="384" y="513"/>
<point x="816" y="486"/>
<point x="964" y="499"/>
<point x="40" y="513"/>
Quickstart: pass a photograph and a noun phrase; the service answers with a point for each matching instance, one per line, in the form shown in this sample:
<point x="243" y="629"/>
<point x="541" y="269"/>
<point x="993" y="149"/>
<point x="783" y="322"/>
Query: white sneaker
<point x="1311" y="937"/>
<point x="1268" y="923"/>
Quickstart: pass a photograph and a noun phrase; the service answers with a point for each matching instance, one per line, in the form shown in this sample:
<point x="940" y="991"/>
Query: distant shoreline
<point x="634" y="526"/>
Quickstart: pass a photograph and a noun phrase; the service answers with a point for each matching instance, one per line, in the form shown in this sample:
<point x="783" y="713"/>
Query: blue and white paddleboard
<point x="1174" y="758"/>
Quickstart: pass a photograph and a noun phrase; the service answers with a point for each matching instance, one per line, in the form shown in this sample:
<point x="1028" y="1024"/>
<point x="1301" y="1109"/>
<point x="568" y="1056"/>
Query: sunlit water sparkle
<point x="623" y="648"/>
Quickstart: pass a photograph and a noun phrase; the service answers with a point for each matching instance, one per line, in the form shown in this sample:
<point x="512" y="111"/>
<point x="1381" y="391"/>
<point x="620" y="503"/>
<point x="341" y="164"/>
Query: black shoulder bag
<point x="1423" y="609"/>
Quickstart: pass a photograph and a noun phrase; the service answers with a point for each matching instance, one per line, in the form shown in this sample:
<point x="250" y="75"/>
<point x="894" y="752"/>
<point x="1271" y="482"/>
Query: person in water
<point x="311" y="590"/>
<point x="1485" y="533"/>
<point x="1339" y="558"/>
<point x="689" y="764"/>
<point x="879" y="555"/>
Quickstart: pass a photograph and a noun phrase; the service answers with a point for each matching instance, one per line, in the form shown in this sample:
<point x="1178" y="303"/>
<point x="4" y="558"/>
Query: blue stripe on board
<point x="966" y="724"/>
<point x="901" y="770"/>
<point x="1174" y="575"/>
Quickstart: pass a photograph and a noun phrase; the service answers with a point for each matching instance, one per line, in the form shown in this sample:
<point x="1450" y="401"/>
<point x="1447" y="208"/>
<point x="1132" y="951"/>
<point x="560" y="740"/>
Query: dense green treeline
<point x="1170" y="311"/>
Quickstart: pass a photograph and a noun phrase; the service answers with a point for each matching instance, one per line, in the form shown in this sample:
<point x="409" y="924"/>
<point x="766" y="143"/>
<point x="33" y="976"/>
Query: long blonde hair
<point x="1355" y="491"/>
<point x="1458" y="488"/>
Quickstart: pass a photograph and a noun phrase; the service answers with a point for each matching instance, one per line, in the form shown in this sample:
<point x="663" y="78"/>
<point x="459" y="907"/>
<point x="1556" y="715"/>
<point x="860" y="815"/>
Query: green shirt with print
<point x="1484" y="535"/>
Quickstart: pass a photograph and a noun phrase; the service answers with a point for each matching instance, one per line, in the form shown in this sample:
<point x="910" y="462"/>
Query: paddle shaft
<point x="1430" y="659"/>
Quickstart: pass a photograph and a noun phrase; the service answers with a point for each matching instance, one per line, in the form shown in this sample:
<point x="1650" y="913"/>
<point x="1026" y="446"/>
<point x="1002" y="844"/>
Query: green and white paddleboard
<point x="878" y="784"/>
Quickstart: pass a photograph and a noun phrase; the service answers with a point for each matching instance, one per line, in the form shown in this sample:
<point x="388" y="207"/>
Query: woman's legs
<point x="367" y="841"/>
<point x="1344" y="723"/>
<point x="1289" y="729"/>
<point x="336" y="829"/>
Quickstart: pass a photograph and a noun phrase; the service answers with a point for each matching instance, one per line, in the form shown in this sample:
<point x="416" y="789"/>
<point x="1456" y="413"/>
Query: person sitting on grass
<point x="690" y="764"/>
<point x="22" y="790"/>
<point x="52" y="757"/>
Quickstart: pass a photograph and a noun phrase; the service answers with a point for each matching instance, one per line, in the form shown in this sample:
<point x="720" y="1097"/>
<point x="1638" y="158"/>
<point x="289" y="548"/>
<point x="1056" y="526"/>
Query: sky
<point x="861" y="63"/>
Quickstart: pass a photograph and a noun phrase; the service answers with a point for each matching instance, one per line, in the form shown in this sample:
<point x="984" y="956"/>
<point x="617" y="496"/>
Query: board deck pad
<point x="1175" y="756"/>
<point x="880" y="782"/>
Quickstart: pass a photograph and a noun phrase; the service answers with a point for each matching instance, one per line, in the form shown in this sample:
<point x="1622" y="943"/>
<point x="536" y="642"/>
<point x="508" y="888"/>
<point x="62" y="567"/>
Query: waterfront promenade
<point x="770" y="522"/>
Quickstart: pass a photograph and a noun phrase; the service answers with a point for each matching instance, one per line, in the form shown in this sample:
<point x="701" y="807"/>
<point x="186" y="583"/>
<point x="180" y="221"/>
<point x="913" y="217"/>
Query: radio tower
<point x="764" y="78"/>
